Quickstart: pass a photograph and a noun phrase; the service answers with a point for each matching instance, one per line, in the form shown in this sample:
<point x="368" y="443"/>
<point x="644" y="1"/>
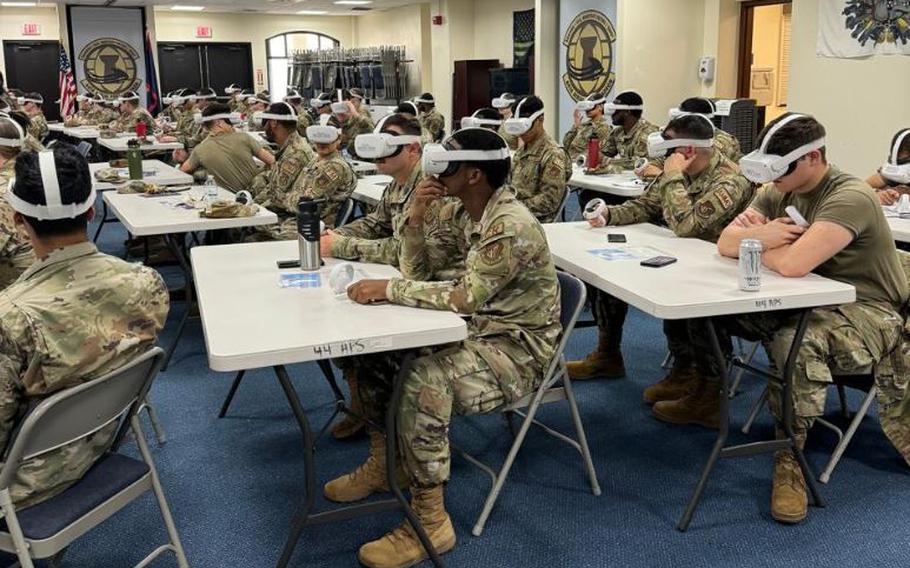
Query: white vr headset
<point x="260" y="117"/>
<point x="588" y="106"/>
<point x="760" y="167"/>
<point x="676" y="113"/>
<point x="318" y="103"/>
<point x="658" y="146"/>
<point x="891" y="171"/>
<point x="55" y="209"/>
<point x="419" y="100"/>
<point x="12" y="142"/>
<point x="440" y="161"/>
<point x="501" y="103"/>
<point x="232" y="89"/>
<point x="23" y="100"/>
<point x="517" y="126"/>
<point x="121" y="99"/>
<point x="232" y="117"/>
<point x="611" y="108"/>
<point x="378" y="144"/>
<point x="340" y="106"/>
<point x="475" y="121"/>
<point x="323" y="133"/>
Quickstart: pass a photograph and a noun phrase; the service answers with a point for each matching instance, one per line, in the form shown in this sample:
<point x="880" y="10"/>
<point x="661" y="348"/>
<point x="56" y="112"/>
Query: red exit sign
<point x="204" y="31"/>
<point x="31" y="29"/>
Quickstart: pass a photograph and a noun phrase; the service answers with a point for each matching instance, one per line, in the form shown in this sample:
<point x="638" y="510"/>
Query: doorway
<point x="32" y="66"/>
<point x="764" y="63"/>
<point x="202" y="65"/>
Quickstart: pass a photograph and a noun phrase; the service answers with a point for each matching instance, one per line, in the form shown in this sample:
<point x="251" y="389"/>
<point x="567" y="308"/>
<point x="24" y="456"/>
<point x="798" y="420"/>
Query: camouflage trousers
<point x="848" y="339"/>
<point x="610" y="315"/>
<point x="450" y="379"/>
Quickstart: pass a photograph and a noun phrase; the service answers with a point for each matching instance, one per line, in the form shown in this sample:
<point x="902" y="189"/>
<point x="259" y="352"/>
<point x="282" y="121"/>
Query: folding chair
<point x="84" y="148"/>
<point x="560" y="213"/>
<point x="48" y="528"/>
<point x="344" y="213"/>
<point x="863" y="381"/>
<point x="572" y="300"/>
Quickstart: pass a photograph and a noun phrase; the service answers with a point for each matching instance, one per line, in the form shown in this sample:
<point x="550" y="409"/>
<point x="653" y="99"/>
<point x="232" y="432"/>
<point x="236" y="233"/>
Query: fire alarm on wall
<point x="437" y="20"/>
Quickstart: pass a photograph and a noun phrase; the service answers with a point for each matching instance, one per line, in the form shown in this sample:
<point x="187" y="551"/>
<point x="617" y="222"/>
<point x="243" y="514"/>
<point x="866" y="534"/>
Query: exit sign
<point x="204" y="31"/>
<point x="31" y="29"/>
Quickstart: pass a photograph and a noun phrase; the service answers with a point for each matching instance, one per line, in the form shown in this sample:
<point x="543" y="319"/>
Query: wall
<point x="400" y="26"/>
<point x="493" y="29"/>
<point x="861" y="102"/>
<point x="721" y="40"/>
<point x="11" y="20"/>
<point x="255" y="29"/>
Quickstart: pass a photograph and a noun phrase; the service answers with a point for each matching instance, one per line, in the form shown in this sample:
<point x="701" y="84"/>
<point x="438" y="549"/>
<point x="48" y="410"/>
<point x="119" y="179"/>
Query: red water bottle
<point x="593" y="152"/>
<point x="141" y="129"/>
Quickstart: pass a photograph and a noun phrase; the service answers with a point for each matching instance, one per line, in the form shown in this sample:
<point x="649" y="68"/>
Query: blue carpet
<point x="233" y="484"/>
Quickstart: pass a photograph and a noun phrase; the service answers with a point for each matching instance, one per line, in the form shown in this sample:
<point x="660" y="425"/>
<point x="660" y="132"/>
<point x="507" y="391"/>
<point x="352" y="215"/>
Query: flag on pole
<point x="67" y="85"/>
<point x="152" y="98"/>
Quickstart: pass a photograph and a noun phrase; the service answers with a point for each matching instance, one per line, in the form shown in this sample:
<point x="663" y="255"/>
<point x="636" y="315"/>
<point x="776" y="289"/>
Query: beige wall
<point x="11" y="20"/>
<point x="400" y="26"/>
<point x="255" y="29"/>
<point x="721" y="40"/>
<point x="861" y="102"/>
<point x="493" y="29"/>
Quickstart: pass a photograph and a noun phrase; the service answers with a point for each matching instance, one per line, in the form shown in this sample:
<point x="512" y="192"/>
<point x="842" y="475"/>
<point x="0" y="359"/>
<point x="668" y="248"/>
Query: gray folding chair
<point x="572" y="300"/>
<point x="84" y="148"/>
<point x="862" y="381"/>
<point x="45" y="530"/>
<point x="560" y="213"/>
<point x="345" y="212"/>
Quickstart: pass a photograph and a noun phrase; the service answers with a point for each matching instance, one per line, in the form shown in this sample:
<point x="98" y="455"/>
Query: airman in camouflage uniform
<point x="329" y="178"/>
<point x="587" y="124"/>
<point x="725" y="144"/>
<point x="127" y="121"/>
<point x="511" y="293"/>
<point x="352" y="125"/>
<point x="38" y="126"/>
<point x="694" y="205"/>
<point x="16" y="253"/>
<point x="271" y="186"/>
<point x="540" y="170"/>
<point x="80" y="314"/>
<point x="622" y="148"/>
<point x="433" y="122"/>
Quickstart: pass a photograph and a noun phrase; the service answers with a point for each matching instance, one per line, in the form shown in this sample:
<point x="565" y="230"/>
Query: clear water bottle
<point x="211" y="193"/>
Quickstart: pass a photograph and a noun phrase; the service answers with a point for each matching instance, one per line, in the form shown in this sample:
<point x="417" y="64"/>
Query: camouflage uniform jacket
<point x="83" y="116"/>
<point x="32" y="144"/>
<point x="270" y="187"/>
<point x="575" y="142"/>
<point x="374" y="237"/>
<point x="38" y="126"/>
<point x="355" y="125"/>
<point x="512" y="141"/>
<point x="303" y="121"/>
<point x="509" y="286"/>
<point x="128" y="122"/>
<point x="189" y="133"/>
<point x="620" y="150"/>
<point x="83" y="314"/>
<point x="433" y="123"/>
<point x="237" y="105"/>
<point x="16" y="253"/>
<point x="724" y="142"/>
<point x="330" y="179"/>
<point x="366" y="114"/>
<point x="698" y="207"/>
<point x="540" y="171"/>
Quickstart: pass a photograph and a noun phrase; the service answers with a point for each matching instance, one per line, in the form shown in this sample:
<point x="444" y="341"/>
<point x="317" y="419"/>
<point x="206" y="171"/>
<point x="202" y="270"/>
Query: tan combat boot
<point x="700" y="406"/>
<point x="677" y="383"/>
<point x="349" y="426"/>
<point x="605" y="361"/>
<point x="367" y="479"/>
<point x="401" y="547"/>
<point x="789" y="502"/>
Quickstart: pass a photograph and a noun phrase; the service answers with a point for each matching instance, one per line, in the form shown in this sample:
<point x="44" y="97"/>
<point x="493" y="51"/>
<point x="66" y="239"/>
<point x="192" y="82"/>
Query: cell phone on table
<point x="658" y="261"/>
<point x="616" y="238"/>
<point x="294" y="263"/>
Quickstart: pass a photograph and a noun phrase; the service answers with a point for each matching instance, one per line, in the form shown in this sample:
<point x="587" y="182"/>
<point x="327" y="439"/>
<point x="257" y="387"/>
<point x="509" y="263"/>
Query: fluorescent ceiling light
<point x="312" y="12"/>
<point x="353" y="2"/>
<point x="180" y="8"/>
<point x="18" y="4"/>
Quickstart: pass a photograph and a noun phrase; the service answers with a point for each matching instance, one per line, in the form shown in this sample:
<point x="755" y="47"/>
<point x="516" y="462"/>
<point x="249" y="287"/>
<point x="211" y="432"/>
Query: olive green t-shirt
<point x="870" y="261"/>
<point x="229" y="158"/>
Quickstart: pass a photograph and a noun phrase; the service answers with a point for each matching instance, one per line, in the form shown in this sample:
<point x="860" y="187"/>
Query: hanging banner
<point x="108" y="48"/>
<point x="861" y="28"/>
<point x="587" y="62"/>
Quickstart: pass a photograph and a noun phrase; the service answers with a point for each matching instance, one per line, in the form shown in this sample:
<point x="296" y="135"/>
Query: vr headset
<point x="378" y="144"/>
<point x="502" y="102"/>
<point x="760" y="167"/>
<point x="658" y="146"/>
<point x="232" y="89"/>
<point x="518" y="126"/>
<point x="439" y="160"/>
<point x="588" y="106"/>
<point x="55" y="209"/>
<point x="12" y="142"/>
<point x="232" y="117"/>
<point x="318" y="103"/>
<point x="127" y="97"/>
<point x="475" y="121"/>
<point x="891" y="170"/>
<point x="611" y="108"/>
<point x="419" y="100"/>
<point x="260" y="117"/>
<point x="22" y="100"/>
<point x="323" y="133"/>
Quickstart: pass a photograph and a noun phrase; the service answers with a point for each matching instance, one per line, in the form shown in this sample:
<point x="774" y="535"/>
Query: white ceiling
<point x="262" y="6"/>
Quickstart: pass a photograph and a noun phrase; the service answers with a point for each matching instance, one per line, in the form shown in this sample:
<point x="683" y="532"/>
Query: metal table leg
<point x="721" y="450"/>
<point x="178" y="249"/>
<point x="304" y="516"/>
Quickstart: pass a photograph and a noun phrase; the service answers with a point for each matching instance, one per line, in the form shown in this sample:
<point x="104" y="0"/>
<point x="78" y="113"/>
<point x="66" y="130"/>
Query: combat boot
<point x="368" y="478"/>
<point x="401" y="547"/>
<point x="350" y="426"/>
<point x="789" y="503"/>
<point x="677" y="384"/>
<point x="701" y="405"/>
<point x="605" y="361"/>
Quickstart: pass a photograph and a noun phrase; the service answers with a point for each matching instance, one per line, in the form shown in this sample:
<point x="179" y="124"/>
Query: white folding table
<point x="280" y="326"/>
<point x="119" y="144"/>
<point x="900" y="228"/>
<point x="625" y="184"/>
<point x="81" y="132"/>
<point x="701" y="284"/>
<point x="153" y="215"/>
<point x="363" y="168"/>
<point x="369" y="189"/>
<point x="55" y="126"/>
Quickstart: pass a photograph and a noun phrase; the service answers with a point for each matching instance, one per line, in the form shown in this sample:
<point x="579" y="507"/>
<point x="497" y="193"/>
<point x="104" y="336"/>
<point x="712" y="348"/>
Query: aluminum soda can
<point x="750" y="265"/>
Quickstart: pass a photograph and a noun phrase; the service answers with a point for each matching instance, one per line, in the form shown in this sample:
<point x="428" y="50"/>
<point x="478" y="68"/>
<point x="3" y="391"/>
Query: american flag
<point x="68" y="90"/>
